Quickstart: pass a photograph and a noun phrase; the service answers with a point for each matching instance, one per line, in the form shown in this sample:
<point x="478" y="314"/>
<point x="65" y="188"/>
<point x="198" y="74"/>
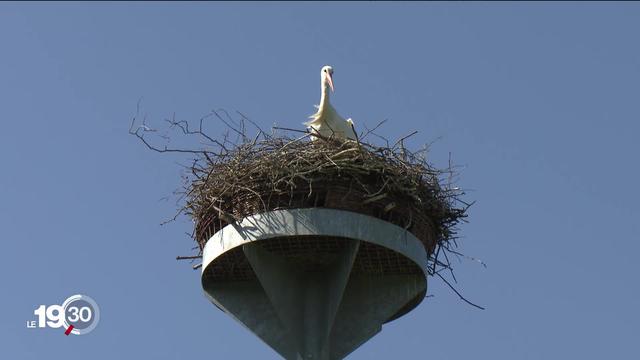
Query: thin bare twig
<point x="458" y="293"/>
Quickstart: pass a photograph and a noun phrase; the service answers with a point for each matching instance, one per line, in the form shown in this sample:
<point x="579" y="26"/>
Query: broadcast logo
<point x="78" y="315"/>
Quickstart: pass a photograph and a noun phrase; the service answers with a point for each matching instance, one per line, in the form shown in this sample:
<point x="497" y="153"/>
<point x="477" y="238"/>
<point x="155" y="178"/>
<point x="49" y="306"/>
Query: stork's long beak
<point x="330" y="81"/>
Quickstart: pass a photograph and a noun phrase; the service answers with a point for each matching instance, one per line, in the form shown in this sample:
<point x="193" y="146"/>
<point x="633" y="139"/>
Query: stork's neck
<point x="324" y="95"/>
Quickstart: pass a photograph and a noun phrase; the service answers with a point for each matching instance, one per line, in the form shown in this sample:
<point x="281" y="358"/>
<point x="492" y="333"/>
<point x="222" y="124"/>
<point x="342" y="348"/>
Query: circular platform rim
<point x="315" y="222"/>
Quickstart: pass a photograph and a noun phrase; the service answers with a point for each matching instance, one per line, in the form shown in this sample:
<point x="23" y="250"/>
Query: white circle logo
<point x="81" y="314"/>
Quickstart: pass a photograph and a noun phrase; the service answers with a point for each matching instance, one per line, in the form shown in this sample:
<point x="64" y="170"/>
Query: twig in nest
<point x="188" y="257"/>
<point x="457" y="293"/>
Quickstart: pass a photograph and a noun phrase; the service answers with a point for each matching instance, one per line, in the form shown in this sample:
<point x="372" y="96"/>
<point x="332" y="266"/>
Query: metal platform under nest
<point x="314" y="283"/>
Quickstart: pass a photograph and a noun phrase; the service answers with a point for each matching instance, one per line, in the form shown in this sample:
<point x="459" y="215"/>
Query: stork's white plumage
<point x="326" y="121"/>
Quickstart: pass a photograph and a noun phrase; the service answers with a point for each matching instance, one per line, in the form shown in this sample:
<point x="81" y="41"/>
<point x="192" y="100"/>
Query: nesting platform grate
<point x="313" y="254"/>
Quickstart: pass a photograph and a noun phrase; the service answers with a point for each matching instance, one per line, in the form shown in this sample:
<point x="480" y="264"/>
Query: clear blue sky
<point x="539" y="102"/>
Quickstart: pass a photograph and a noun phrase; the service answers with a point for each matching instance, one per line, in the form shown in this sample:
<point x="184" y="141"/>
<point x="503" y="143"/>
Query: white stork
<point x="326" y="121"/>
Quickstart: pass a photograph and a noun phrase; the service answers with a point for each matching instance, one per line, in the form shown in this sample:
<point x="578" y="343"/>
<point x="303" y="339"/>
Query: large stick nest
<point x="231" y="179"/>
<point x="281" y="172"/>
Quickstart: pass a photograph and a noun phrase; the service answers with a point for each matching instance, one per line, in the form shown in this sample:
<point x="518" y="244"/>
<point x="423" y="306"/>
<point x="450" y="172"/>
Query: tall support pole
<point x="306" y="303"/>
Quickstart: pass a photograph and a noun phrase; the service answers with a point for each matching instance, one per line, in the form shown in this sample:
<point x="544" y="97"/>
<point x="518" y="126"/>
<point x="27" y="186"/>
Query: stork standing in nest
<point x="326" y="121"/>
